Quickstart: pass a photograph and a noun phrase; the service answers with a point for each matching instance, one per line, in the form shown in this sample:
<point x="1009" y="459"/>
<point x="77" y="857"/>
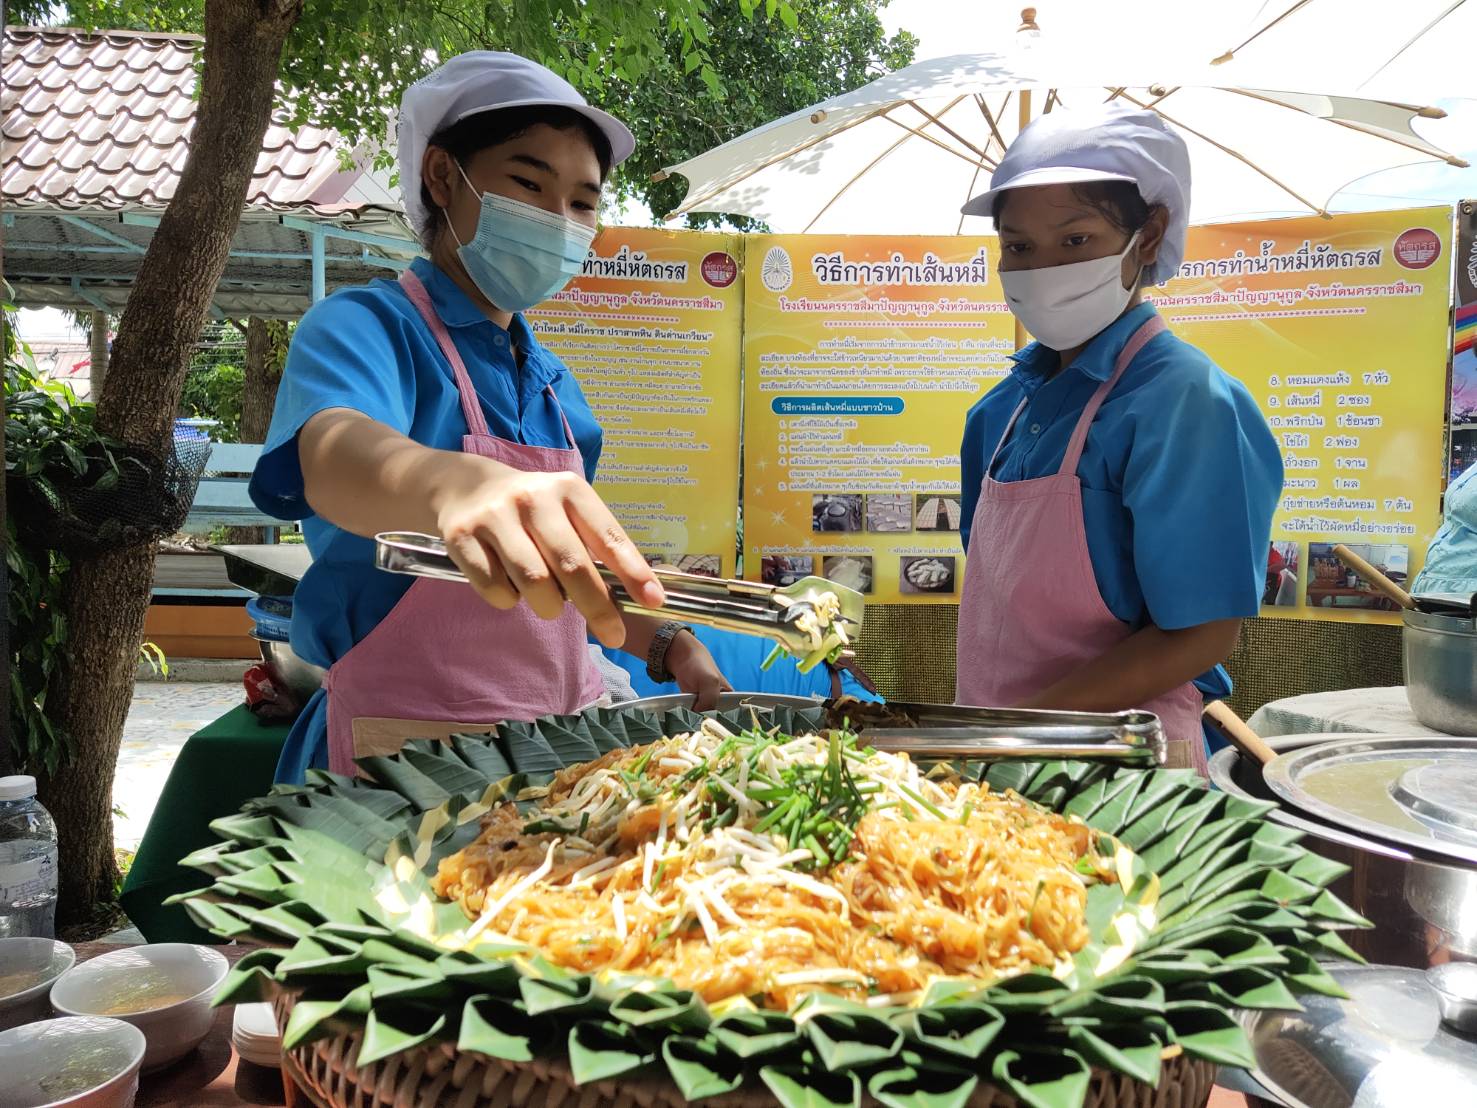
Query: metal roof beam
<point x="384" y="263"/>
<point x="320" y="284"/>
<point x="89" y="297"/>
<point x="101" y="232"/>
<point x="266" y="255"/>
<point x="333" y="231"/>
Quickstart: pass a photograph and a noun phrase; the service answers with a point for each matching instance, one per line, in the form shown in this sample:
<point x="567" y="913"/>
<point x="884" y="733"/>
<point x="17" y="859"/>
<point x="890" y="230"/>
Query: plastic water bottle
<point x="27" y="862"/>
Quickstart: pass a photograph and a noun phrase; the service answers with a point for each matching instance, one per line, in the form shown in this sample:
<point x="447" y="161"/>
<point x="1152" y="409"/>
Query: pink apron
<point x="442" y="661"/>
<point x="1031" y="610"/>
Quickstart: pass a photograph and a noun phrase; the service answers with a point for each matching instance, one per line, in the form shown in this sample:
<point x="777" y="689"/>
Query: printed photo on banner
<point x="785" y="569"/>
<point x="1331" y="584"/>
<point x="938" y="513"/>
<point x="889" y="513"/>
<point x="831" y="511"/>
<point x="1284" y="564"/>
<point x="852" y="570"/>
<point x="928" y="574"/>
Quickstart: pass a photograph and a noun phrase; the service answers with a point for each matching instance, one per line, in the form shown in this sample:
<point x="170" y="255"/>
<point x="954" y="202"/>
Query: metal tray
<point x="956" y="731"/>
<point x="1413" y="792"/>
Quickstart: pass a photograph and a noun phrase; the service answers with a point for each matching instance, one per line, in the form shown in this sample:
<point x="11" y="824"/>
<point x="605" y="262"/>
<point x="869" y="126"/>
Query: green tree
<point x="768" y="68"/>
<point x="668" y="66"/>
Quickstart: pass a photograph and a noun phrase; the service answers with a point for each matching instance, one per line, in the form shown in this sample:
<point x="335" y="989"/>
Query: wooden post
<point x="1023" y="119"/>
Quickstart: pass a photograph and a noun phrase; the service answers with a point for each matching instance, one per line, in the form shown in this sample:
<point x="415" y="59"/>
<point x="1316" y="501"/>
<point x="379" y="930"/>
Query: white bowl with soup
<point x="77" y="1062"/>
<point x="28" y="969"/>
<point x="163" y="989"/>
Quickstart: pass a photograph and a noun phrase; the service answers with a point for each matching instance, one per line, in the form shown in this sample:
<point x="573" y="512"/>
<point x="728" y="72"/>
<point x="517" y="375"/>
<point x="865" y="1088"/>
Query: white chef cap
<point x="1103" y="143"/>
<point x="484" y="81"/>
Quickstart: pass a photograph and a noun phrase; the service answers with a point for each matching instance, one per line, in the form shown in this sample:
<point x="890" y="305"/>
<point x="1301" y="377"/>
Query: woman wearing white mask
<point x="427" y="404"/>
<point x="1119" y="486"/>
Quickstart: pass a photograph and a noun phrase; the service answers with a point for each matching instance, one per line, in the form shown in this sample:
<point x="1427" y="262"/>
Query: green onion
<point x="822" y="859"/>
<point x="930" y="808"/>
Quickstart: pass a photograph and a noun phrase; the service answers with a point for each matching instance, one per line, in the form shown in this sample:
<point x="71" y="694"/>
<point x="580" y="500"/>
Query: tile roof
<point x="99" y="121"/>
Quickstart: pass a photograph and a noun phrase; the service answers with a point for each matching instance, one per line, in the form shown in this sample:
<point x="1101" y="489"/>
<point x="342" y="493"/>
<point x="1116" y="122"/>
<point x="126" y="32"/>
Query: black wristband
<point x="656" y="654"/>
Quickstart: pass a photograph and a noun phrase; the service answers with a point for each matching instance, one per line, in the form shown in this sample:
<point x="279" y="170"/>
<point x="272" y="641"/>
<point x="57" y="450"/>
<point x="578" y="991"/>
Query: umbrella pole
<point x="1023" y="119"/>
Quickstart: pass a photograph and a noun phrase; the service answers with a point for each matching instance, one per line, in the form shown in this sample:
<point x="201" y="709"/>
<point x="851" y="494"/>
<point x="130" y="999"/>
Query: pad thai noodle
<point x="767" y="866"/>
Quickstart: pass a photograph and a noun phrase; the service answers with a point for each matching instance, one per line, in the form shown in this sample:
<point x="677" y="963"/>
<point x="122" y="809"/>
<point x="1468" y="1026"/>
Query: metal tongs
<point x="961" y="732"/>
<point x="742" y="606"/>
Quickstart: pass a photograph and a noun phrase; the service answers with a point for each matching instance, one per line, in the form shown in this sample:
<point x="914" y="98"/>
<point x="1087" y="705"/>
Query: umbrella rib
<point x="687" y="206"/>
<point x="942" y="126"/>
<point x="929" y="138"/>
<point x="990" y="119"/>
<point x="1413" y="40"/>
<point x="973" y="184"/>
<point x="1396" y="140"/>
<point x="1229" y="54"/>
<point x="857" y="177"/>
<point x="1242" y="158"/>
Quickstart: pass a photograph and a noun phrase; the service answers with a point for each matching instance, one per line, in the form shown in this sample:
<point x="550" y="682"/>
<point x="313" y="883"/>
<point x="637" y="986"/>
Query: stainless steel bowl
<point x="302" y="678"/>
<point x="1423" y="906"/>
<point x="1441" y="671"/>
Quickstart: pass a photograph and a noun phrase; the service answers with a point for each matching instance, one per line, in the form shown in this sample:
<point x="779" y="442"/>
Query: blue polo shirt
<point x="1180" y="475"/>
<point x="741" y="659"/>
<point x="1451" y="561"/>
<point x="368" y="349"/>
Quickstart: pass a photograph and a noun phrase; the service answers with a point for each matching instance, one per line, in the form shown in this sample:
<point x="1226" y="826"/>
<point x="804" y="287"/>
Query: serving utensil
<point x="746" y="607"/>
<point x="1431" y="604"/>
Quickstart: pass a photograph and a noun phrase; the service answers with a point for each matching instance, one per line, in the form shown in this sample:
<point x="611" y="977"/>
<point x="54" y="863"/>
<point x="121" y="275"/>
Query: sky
<point x="945" y="27"/>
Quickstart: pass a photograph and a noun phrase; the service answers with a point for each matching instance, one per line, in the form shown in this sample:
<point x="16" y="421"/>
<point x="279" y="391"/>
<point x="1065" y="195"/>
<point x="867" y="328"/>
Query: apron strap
<point x="558" y="407"/>
<point x="471" y="406"/>
<point x="1140" y="339"/>
<point x="1005" y="435"/>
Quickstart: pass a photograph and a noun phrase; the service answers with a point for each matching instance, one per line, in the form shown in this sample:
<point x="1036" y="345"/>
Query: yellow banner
<point x="1339" y="328"/>
<point x="861" y="357"/>
<point x="652" y="330"/>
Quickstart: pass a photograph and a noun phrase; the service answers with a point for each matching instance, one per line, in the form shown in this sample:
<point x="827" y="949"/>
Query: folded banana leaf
<point x="1215" y="909"/>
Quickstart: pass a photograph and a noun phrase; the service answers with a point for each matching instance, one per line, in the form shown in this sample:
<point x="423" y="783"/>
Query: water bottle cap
<point x="17" y="788"/>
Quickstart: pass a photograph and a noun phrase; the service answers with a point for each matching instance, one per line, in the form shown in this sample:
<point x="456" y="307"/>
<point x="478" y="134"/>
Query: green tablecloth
<point x="220" y="768"/>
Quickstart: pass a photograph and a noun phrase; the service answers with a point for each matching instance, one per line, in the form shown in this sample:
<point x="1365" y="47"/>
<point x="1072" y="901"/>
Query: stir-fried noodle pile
<point x="767" y="866"/>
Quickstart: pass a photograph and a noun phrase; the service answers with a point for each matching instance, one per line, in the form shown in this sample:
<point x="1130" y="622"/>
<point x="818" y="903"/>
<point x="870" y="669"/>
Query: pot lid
<point x="1417" y="792"/>
<point x="1372" y="1050"/>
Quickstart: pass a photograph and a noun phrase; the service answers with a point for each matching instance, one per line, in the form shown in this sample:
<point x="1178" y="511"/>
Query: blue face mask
<point x="521" y="255"/>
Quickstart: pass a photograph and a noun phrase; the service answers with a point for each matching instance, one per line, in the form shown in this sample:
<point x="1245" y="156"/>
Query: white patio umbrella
<point x="1412" y="49"/>
<point x="902" y="154"/>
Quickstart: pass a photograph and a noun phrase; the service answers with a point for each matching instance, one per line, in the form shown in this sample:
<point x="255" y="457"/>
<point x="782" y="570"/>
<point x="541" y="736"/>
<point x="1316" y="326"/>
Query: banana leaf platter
<point x="1216" y="909"/>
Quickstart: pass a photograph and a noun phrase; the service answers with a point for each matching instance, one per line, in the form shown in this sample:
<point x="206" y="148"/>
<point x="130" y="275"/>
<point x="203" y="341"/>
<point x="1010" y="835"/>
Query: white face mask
<point x="1065" y="305"/>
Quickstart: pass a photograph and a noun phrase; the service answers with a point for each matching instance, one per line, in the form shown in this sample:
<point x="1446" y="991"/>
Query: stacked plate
<point x="254" y="1035"/>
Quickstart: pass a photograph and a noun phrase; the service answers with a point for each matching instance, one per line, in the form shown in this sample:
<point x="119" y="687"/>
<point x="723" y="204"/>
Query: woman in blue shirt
<point x="428" y="405"/>
<point x="1119" y="486"/>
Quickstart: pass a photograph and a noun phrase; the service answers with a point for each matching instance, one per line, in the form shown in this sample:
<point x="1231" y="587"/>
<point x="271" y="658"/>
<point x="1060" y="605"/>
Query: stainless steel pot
<point x="302" y="678"/>
<point x="1424" y="908"/>
<point x="1441" y="670"/>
